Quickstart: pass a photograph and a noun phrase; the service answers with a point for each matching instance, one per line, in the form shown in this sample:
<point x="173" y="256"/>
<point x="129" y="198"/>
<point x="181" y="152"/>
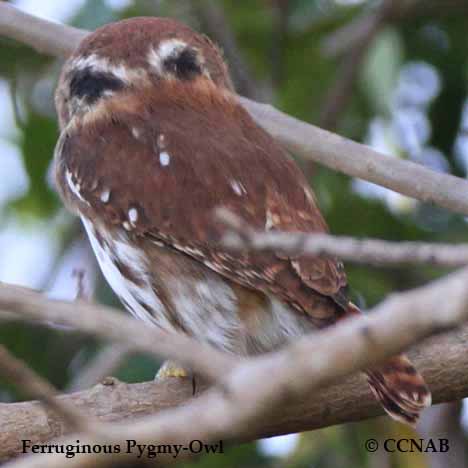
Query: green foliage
<point x="95" y="13"/>
<point x="380" y="71"/>
<point x="37" y="142"/>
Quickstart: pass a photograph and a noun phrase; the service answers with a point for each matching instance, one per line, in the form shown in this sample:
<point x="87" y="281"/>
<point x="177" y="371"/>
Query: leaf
<point x="37" y="143"/>
<point x="381" y="68"/>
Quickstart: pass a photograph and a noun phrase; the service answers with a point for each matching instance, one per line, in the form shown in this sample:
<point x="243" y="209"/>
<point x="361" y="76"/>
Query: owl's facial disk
<point x="131" y="55"/>
<point x="91" y="78"/>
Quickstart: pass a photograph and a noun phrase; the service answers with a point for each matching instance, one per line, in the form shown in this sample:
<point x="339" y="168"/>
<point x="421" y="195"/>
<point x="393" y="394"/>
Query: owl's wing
<point x="162" y="173"/>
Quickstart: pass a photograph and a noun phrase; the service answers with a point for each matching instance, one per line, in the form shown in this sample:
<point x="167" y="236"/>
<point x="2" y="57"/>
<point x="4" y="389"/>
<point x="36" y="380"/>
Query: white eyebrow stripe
<point x="155" y="60"/>
<point x="167" y="48"/>
<point x="157" y="56"/>
<point x="101" y="64"/>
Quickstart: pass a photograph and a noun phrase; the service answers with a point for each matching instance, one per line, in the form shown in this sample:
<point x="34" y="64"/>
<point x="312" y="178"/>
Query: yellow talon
<point x="170" y="369"/>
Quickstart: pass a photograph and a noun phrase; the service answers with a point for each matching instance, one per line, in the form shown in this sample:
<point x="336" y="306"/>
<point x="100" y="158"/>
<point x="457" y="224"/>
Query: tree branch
<point x="213" y="20"/>
<point x="305" y="140"/>
<point x="43" y="36"/>
<point x="232" y="411"/>
<point x="442" y="360"/>
<point x="357" y="160"/>
<point x="351" y="34"/>
<point x="342" y="89"/>
<point x="102" y="365"/>
<point x="369" y="251"/>
<point x="34" y="386"/>
<point x="105" y="322"/>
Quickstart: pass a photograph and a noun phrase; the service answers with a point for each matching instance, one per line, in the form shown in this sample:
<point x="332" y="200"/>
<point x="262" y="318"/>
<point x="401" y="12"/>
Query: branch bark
<point x="369" y="251"/>
<point x="107" y="323"/>
<point x="34" y="386"/>
<point x="443" y="361"/>
<point x="307" y="141"/>
<point x="44" y="36"/>
<point x="232" y="411"/>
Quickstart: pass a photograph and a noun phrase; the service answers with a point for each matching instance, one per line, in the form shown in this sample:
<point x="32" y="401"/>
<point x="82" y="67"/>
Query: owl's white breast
<point x="204" y="305"/>
<point x="138" y="298"/>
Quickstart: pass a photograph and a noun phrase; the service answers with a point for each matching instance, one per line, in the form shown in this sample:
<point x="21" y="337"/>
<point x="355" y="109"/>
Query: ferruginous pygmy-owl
<point x="153" y="140"/>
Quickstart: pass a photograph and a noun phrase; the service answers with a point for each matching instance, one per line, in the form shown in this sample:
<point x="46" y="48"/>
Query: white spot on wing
<point x="164" y="158"/>
<point x="238" y="187"/>
<point x="75" y="188"/>
<point x="193" y="251"/>
<point x="133" y="215"/>
<point x="269" y="221"/>
<point x="105" y="195"/>
<point x="136" y="132"/>
<point x="127" y="226"/>
<point x="162" y="141"/>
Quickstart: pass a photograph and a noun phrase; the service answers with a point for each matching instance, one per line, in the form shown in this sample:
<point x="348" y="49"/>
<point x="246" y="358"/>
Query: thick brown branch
<point x="442" y="360"/>
<point x="235" y="412"/>
<point x="305" y="140"/>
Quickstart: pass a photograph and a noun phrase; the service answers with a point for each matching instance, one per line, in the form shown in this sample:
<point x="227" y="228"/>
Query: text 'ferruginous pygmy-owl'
<point x="154" y="140"/>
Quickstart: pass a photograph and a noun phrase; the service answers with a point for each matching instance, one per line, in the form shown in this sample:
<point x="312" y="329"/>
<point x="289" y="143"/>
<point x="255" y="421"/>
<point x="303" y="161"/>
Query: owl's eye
<point x="91" y="85"/>
<point x="183" y="63"/>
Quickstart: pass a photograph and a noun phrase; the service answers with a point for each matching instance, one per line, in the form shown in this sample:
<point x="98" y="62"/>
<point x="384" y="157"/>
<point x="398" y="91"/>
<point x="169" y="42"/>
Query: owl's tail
<point x="398" y="386"/>
<point x="400" y="389"/>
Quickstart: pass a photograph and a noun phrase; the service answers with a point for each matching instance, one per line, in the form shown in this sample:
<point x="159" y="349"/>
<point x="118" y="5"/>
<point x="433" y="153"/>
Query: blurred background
<point x="392" y="74"/>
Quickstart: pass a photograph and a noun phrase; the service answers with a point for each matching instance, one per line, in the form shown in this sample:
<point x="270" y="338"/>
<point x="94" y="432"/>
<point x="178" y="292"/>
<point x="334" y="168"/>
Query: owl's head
<point x="131" y="54"/>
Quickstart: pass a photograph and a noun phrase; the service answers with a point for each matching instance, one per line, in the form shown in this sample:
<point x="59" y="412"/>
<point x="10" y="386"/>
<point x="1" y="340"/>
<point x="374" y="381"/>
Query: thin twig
<point x="104" y="322"/>
<point x="367" y="251"/>
<point x="341" y="91"/>
<point x="351" y="34"/>
<point x="213" y="20"/>
<point x="101" y="366"/>
<point x="33" y="386"/>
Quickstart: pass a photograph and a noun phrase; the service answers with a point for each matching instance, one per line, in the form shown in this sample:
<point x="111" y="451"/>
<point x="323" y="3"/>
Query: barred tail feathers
<point x="400" y="389"/>
<point x="397" y="385"/>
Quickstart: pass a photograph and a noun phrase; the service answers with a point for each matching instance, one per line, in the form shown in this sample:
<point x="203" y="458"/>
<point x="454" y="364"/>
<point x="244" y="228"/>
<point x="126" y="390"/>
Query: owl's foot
<point x="172" y="369"/>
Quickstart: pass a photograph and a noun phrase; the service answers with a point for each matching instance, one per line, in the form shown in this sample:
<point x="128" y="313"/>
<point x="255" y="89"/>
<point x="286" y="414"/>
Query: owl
<point x="154" y="140"/>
